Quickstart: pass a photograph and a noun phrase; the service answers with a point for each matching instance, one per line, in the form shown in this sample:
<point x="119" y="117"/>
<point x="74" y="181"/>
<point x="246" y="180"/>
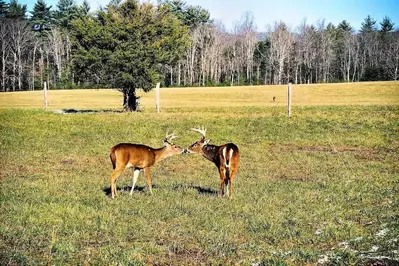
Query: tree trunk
<point x="33" y="66"/>
<point x="280" y="71"/>
<point x="130" y="100"/>
<point x="179" y="75"/>
<point x="19" y="69"/>
<point x="171" y="76"/>
<point x="3" y="70"/>
<point x="14" y="71"/>
<point x="41" y="65"/>
<point x="48" y="69"/>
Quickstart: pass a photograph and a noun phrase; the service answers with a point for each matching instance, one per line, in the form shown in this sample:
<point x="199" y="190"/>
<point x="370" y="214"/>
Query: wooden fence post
<point x="289" y="98"/>
<point x="45" y="94"/>
<point x="158" y="107"/>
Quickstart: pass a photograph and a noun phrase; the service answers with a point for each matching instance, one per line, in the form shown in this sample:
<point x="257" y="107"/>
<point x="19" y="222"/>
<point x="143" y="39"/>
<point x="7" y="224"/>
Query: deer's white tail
<point x="227" y="159"/>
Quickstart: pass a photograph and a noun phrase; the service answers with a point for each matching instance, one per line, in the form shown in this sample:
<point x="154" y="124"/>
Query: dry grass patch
<point x="364" y="93"/>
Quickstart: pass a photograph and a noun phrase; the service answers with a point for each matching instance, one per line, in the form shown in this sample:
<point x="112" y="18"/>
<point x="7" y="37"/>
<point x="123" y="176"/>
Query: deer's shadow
<point x="86" y="111"/>
<point x="200" y="190"/>
<point x="107" y="190"/>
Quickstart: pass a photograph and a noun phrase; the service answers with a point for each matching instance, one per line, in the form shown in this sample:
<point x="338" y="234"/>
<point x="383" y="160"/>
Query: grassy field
<point x="320" y="187"/>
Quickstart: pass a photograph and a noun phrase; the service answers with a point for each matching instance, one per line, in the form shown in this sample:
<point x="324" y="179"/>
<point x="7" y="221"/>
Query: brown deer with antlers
<point x="138" y="157"/>
<point x="226" y="158"/>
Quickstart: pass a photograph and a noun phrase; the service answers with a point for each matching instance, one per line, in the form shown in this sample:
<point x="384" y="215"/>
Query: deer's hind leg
<point x="232" y="174"/>
<point x="222" y="172"/>
<point x="114" y="176"/>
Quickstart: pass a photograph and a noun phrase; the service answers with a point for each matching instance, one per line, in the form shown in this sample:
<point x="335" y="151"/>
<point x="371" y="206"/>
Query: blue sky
<point x="292" y="12"/>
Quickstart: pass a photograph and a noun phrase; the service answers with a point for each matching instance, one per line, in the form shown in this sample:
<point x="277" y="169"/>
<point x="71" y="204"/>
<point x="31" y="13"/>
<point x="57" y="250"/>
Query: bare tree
<point x="59" y="49"/>
<point x="246" y="31"/>
<point x="36" y="45"/>
<point x="281" y="40"/>
<point x="307" y="51"/>
<point x="5" y="46"/>
<point x="325" y="50"/>
<point x="21" y="38"/>
<point x="231" y="58"/>
<point x="191" y="56"/>
<point x="392" y="61"/>
<point x="347" y="54"/>
<point x="216" y="52"/>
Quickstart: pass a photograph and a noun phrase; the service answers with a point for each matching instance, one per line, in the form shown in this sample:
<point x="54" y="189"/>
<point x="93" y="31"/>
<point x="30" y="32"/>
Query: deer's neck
<point x="210" y="152"/>
<point x="161" y="154"/>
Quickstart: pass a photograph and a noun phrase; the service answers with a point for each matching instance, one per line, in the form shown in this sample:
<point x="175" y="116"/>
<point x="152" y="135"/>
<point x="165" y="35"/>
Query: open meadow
<point x="320" y="187"/>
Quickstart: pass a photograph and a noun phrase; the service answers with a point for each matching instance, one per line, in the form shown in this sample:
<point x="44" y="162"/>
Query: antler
<point x="202" y="131"/>
<point x="169" y="136"/>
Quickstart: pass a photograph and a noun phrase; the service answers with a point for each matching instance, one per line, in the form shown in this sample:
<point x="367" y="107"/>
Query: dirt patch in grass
<point x="182" y="256"/>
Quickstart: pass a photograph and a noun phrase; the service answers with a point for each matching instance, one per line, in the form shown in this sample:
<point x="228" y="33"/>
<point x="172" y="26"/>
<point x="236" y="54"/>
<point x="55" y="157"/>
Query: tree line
<point x="131" y="45"/>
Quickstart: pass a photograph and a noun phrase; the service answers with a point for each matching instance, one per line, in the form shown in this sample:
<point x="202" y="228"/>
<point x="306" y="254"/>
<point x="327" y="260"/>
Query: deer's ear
<point x="206" y="141"/>
<point x="166" y="143"/>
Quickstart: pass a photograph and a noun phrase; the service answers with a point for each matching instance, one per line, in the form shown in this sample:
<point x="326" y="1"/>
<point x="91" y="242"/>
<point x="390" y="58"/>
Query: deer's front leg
<point x="148" y="176"/>
<point x="136" y="172"/>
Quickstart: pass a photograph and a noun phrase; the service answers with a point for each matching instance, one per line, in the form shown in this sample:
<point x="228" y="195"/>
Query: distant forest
<point x="129" y="45"/>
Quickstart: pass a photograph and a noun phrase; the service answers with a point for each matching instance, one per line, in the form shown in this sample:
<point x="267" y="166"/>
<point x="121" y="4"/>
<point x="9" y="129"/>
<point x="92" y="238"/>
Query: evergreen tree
<point x="368" y="25"/>
<point x="3" y="9"/>
<point x="84" y="9"/>
<point x="177" y="7"/>
<point x="196" y="16"/>
<point x="114" y="4"/>
<point x="192" y="16"/>
<point x="67" y="11"/>
<point x="345" y="26"/>
<point x="330" y="27"/>
<point x="16" y="10"/>
<point x="125" y="45"/>
<point x="388" y="53"/>
<point x="41" y="14"/>
<point x="368" y="36"/>
<point x="387" y="25"/>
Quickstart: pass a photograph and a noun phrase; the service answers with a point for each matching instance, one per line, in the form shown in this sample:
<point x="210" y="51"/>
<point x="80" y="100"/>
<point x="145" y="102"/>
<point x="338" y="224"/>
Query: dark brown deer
<point x="138" y="157"/>
<point x="226" y="158"/>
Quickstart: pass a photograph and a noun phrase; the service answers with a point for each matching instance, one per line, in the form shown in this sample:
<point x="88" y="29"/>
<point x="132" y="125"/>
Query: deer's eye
<point x="195" y="145"/>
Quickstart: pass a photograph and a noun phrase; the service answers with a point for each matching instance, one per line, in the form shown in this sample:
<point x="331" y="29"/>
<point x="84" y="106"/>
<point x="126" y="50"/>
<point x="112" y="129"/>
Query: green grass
<point x="321" y="184"/>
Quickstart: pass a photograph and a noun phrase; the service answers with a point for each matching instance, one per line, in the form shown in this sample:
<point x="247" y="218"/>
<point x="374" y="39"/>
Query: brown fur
<point x="215" y="154"/>
<point x="138" y="157"/>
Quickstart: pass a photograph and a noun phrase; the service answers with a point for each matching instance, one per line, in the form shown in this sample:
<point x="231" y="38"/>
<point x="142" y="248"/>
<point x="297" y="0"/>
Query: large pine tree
<point x="66" y="12"/>
<point x="368" y="25"/>
<point x="191" y="16"/>
<point x="16" y="10"/>
<point x="3" y="8"/>
<point x="125" y="45"/>
<point x="41" y="14"/>
<point x="387" y="25"/>
<point x="84" y="9"/>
